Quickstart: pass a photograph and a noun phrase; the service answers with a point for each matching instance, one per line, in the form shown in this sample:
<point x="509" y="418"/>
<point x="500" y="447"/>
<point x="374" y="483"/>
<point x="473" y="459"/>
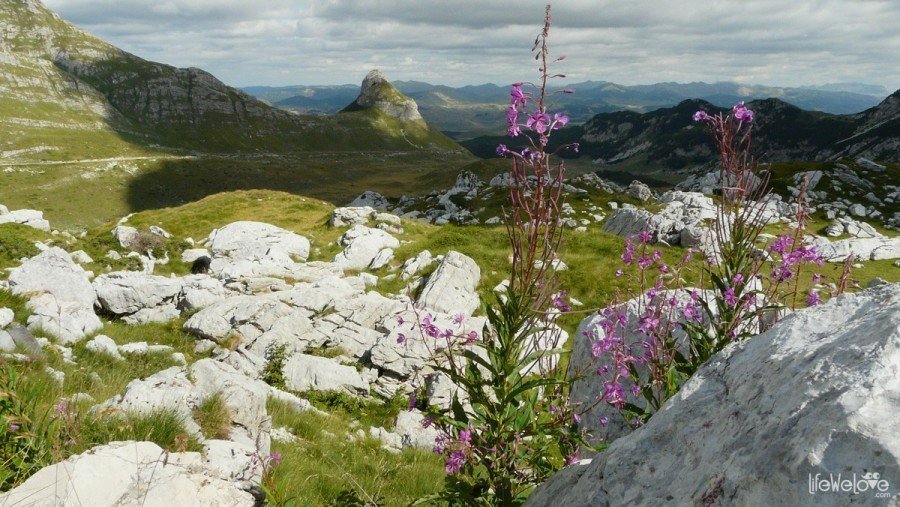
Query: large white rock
<point x="6" y="317"/>
<point x="627" y="222"/>
<point x="366" y="248"/>
<point x="128" y="474"/>
<point x="138" y="298"/>
<point x="452" y="287"/>
<point x="245" y="316"/>
<point x="29" y="217"/>
<point x="303" y="373"/>
<point x="60" y="295"/>
<point x="812" y="398"/>
<point x="348" y="216"/>
<point x="864" y="249"/>
<point x="246" y="248"/>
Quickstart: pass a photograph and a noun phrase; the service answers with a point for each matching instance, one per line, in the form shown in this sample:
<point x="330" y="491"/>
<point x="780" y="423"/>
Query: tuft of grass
<point x="325" y="466"/>
<point x="162" y="427"/>
<point x="214" y="417"/>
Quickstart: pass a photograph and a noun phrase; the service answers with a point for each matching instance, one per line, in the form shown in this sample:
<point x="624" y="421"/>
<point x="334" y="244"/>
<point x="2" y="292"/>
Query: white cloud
<point x="279" y="42"/>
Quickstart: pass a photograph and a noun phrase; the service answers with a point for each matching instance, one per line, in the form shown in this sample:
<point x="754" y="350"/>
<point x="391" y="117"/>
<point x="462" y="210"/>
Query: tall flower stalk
<point x="509" y="425"/>
<point x="649" y="349"/>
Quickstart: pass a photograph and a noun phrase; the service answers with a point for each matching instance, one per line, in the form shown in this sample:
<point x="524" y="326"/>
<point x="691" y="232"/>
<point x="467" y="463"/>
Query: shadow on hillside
<point x="336" y="179"/>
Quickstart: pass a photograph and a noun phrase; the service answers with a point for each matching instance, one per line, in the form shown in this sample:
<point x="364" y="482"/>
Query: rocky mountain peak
<point x="377" y="92"/>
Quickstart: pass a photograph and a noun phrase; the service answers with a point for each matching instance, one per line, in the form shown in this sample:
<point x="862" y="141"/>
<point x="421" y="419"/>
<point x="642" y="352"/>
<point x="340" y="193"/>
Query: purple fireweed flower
<point x="517" y="96"/>
<point x="604" y="421"/>
<point x="559" y="302"/>
<point x="560" y="120"/>
<point x="648" y="324"/>
<point x="737" y="279"/>
<point x="619" y="272"/>
<point x="275" y="458"/>
<point x="400" y="320"/>
<point x="454" y="462"/>
<point x="644" y="262"/>
<point x="813" y="299"/>
<point x="502" y="150"/>
<point x="729" y="297"/>
<point x="614" y="394"/>
<point x="692" y="312"/>
<point x="465" y="436"/>
<point x="741" y="113"/>
<point x="61" y="407"/>
<point x="782" y="244"/>
<point x="645" y="237"/>
<point x="512" y="122"/>
<point x="538" y="121"/>
<point x="458" y="318"/>
<point x="426" y="422"/>
<point x="628" y="254"/>
<point x="413" y="399"/>
<point x="13" y="427"/>
<point x="401" y="338"/>
<point x="700" y="116"/>
<point x="817" y="277"/>
<point x="576" y="418"/>
<point x="575" y="147"/>
<point x="571" y="460"/>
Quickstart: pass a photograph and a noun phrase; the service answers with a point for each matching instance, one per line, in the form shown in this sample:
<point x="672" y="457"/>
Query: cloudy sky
<point x="283" y="42"/>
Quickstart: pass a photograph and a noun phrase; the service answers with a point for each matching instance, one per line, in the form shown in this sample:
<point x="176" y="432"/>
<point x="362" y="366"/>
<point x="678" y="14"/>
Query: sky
<point x="287" y="42"/>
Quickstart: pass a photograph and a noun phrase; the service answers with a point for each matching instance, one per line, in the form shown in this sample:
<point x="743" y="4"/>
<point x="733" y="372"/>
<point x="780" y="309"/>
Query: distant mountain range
<point x="467" y="111"/>
<point x="99" y="99"/>
<point x="668" y="139"/>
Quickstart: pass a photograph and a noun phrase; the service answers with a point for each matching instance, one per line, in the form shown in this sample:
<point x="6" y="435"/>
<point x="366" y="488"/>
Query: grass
<point x="213" y="417"/>
<point x="325" y="466"/>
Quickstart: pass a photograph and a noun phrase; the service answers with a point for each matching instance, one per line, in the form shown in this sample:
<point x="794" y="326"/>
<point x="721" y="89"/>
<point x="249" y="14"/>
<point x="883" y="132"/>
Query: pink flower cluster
<point x="539" y="121"/>
<point x="457" y="450"/>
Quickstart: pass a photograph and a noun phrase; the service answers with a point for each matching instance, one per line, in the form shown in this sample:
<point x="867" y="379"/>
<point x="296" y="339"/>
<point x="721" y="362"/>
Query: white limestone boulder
<point x="304" y="372"/>
<point x="138" y="298"/>
<point x="59" y="295"/>
<point x="452" y="287"/>
<point x="128" y="473"/>
<point x="245" y="316"/>
<point x="365" y="247"/>
<point x="763" y="420"/>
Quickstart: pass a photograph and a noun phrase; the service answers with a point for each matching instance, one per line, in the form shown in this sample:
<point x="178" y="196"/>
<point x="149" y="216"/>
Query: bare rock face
<point x="763" y="420"/>
<point x="377" y="92"/>
<point x="128" y="473"/>
<point x="60" y="295"/>
<point x="452" y="287"/>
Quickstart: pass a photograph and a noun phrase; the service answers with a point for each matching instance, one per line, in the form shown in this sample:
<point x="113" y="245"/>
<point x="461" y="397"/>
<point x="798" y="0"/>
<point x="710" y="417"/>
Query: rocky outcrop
<point x="254" y="248"/>
<point x="59" y="295"/>
<point x="864" y="249"/>
<point x="765" y="419"/>
<point x="28" y="217"/>
<point x="129" y="473"/>
<point x="366" y="248"/>
<point x="452" y="287"/>
<point x="377" y="92"/>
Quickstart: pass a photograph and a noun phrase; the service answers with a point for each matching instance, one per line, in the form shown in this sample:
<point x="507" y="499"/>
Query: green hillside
<point x="91" y="132"/>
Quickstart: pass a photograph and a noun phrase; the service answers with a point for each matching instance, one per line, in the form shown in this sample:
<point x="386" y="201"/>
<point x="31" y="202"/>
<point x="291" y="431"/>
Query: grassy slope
<point x="328" y="464"/>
